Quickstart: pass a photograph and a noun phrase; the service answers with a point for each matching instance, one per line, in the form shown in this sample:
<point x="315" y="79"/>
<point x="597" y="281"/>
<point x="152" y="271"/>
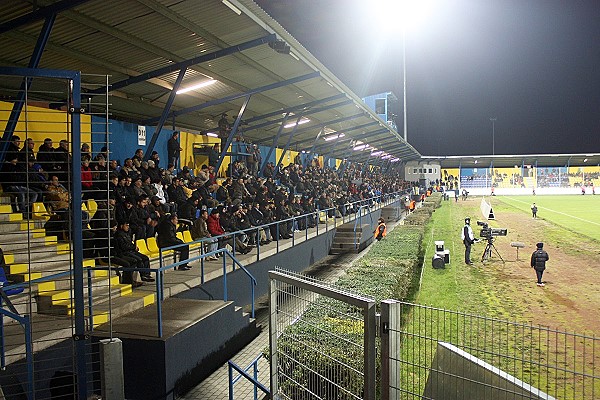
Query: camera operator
<point x="538" y="262"/>
<point x="468" y="239"/>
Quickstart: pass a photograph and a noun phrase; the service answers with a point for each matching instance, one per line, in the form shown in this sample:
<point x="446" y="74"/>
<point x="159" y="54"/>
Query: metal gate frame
<point x="75" y="110"/>
<point x="369" y="320"/>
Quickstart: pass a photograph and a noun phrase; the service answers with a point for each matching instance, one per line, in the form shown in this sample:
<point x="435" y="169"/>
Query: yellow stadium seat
<point x="187" y="237"/>
<point x="92" y="207"/>
<point x="39" y="212"/>
<point x="153" y="247"/>
<point x="141" y="244"/>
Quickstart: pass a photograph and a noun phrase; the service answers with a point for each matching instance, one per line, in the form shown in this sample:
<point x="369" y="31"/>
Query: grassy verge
<point x="477" y="291"/>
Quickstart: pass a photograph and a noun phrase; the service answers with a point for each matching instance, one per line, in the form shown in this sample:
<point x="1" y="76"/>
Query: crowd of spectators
<point x="145" y="199"/>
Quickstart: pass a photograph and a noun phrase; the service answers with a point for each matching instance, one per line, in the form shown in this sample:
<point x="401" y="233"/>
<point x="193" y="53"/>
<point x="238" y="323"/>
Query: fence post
<point x="273" y="336"/>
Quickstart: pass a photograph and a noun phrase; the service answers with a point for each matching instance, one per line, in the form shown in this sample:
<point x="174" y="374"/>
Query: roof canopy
<point x="233" y="50"/>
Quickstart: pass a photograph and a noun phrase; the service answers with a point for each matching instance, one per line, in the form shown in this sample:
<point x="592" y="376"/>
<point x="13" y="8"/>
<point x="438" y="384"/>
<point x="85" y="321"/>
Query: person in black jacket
<point x="126" y="250"/>
<point x="173" y="149"/>
<point x="538" y="262"/>
<point x="167" y="237"/>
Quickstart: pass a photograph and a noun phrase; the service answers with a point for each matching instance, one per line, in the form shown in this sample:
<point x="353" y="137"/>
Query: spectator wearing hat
<point x="538" y="262"/>
<point x="167" y="237"/>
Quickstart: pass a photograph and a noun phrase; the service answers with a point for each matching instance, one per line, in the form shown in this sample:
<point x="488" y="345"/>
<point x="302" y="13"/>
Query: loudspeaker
<point x="437" y="262"/>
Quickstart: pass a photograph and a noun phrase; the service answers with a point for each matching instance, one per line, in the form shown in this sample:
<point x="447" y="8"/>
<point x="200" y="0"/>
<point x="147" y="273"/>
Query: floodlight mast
<point x="493" y="119"/>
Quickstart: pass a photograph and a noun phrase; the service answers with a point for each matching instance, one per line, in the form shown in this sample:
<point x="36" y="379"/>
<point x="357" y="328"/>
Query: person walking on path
<point x="538" y="262"/>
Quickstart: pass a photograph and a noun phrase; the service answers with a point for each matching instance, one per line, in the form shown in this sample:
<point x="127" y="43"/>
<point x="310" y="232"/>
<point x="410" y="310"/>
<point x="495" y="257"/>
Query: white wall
<point x="424" y="170"/>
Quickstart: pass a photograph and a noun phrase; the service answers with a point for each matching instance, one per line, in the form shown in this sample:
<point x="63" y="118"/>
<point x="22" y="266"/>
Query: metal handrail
<point x="159" y="280"/>
<point x="244" y="373"/>
<point x="378" y="200"/>
<point x="26" y="323"/>
<point x="358" y="220"/>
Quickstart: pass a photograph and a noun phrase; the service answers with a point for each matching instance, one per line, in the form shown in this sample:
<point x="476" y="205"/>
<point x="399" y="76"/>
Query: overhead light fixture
<point x="361" y="147"/>
<point x="386" y="157"/>
<point x="585" y="160"/>
<point x="333" y="137"/>
<point x="232" y="7"/>
<point x="294" y="56"/>
<point x="212" y="134"/>
<point x="292" y="124"/>
<point x="197" y="86"/>
<point x="377" y="153"/>
<point x="476" y="161"/>
<point x="395" y="159"/>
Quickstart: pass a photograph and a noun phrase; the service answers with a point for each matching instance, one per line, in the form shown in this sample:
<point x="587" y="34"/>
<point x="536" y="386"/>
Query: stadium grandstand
<point x="158" y="160"/>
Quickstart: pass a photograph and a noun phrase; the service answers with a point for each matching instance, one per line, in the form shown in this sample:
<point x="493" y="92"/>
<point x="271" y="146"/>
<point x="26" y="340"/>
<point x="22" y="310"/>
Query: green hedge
<point x="322" y="339"/>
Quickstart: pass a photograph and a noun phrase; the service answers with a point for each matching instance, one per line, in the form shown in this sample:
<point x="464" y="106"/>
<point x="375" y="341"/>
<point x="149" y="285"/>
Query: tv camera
<point x="490" y="234"/>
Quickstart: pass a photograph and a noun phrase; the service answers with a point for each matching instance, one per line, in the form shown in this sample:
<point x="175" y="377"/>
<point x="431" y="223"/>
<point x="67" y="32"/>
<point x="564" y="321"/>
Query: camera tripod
<point x="487" y="252"/>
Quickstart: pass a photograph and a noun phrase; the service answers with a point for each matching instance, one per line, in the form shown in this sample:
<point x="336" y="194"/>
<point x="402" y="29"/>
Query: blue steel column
<point x="364" y="168"/>
<point x="347" y="156"/>
<point x="236" y="124"/>
<point x="80" y="334"/>
<point x="18" y="104"/>
<point x="312" y="149"/>
<point x="287" y="144"/>
<point x="165" y="114"/>
<point x="275" y="140"/>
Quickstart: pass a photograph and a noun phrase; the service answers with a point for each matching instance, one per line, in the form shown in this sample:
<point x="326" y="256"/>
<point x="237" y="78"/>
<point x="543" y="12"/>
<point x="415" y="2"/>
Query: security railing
<point x="358" y="221"/>
<point x="243" y="373"/>
<point x="159" y="282"/>
<point x="363" y="207"/>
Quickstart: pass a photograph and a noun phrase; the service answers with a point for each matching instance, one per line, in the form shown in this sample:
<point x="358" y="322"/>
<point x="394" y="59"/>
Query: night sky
<point x="532" y="64"/>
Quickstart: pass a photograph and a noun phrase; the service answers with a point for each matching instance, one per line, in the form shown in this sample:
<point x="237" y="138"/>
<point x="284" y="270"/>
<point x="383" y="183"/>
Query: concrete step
<point x="350" y="228"/>
<point x="22" y="240"/>
<point x="60" y="301"/>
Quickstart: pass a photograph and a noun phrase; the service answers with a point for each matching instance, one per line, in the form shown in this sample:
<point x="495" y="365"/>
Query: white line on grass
<point x="557" y="212"/>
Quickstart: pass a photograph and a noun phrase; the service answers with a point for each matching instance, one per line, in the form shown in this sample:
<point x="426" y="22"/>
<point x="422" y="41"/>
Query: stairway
<point x="347" y="241"/>
<point x="391" y="213"/>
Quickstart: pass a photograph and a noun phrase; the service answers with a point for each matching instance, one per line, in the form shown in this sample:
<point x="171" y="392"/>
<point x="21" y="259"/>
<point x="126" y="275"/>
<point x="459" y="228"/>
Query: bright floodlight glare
<point x="302" y="121"/>
<point x="333" y="137"/>
<point x="211" y="134"/>
<point x="196" y="86"/>
<point x="396" y="15"/>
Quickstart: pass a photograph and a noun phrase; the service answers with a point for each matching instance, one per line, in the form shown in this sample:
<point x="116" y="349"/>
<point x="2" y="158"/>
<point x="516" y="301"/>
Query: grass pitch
<point x="576" y="213"/>
<point x="569" y="225"/>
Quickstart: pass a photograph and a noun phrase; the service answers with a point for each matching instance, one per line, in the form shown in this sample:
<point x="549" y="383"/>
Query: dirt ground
<point x="570" y="301"/>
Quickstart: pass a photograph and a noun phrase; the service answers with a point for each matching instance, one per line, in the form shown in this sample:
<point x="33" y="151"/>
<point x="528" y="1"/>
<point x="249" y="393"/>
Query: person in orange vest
<point x="381" y="229"/>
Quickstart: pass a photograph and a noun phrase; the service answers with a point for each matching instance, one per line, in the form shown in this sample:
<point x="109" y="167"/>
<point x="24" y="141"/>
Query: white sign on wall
<point x="141" y="135"/>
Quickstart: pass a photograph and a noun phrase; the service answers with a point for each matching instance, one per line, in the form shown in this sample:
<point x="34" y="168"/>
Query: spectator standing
<point x="174" y="149"/>
<point x="534" y="210"/>
<point x="224" y="129"/>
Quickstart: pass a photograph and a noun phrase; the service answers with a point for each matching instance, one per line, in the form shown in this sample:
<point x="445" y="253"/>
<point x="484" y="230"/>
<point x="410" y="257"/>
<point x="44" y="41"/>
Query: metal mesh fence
<point x="41" y="127"/>
<point x="322" y="340"/>
<point x="436" y="353"/>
